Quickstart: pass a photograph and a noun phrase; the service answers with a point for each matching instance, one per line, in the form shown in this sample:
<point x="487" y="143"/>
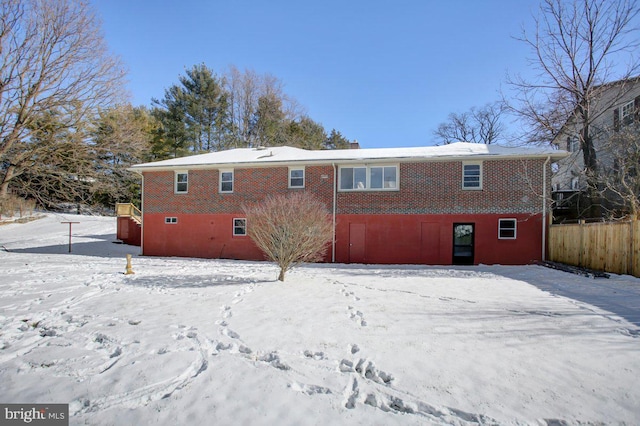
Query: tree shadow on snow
<point x="191" y="281"/>
<point x="619" y="295"/>
<point x="84" y="245"/>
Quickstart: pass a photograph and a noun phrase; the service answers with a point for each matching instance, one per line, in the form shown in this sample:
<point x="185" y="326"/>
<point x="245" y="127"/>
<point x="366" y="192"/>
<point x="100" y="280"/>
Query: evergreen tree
<point x="193" y="114"/>
<point x="335" y="140"/>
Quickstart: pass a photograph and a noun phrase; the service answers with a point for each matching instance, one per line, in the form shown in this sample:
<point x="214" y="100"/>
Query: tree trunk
<point x="4" y="183"/>
<point x="591" y="171"/>
<point x="281" y="276"/>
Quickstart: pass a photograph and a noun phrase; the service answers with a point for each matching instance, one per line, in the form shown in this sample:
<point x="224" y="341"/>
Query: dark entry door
<point x="463" y="243"/>
<point x="356" y="242"/>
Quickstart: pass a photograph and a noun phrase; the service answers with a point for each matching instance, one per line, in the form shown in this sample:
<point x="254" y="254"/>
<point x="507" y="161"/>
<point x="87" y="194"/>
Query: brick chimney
<point x="354" y="145"/>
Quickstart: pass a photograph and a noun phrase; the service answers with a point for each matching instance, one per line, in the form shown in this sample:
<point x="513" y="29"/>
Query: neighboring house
<point x="615" y="106"/>
<point x="462" y="203"/>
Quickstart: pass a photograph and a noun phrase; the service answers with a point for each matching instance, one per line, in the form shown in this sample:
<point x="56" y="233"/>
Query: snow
<point x="196" y="341"/>
<point x="286" y="154"/>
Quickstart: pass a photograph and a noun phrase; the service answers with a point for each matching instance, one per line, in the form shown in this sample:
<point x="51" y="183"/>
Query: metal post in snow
<point x="70" y="223"/>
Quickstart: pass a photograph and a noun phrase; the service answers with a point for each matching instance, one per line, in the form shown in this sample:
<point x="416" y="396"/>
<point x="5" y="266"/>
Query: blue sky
<point x="383" y="72"/>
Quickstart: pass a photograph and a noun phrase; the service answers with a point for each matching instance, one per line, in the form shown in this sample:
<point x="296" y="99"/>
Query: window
<point x="472" y="176"/>
<point x="369" y="178"/>
<point x="239" y="227"/>
<point x="383" y="177"/>
<point x="626" y="112"/>
<point x="573" y="144"/>
<point x="171" y="220"/>
<point x="181" y="182"/>
<point x="226" y="180"/>
<point x="296" y="178"/>
<point x="575" y="183"/>
<point x="507" y="229"/>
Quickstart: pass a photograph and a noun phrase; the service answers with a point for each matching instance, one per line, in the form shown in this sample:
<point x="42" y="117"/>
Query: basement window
<point x="239" y="227"/>
<point x="507" y="229"/>
<point x="171" y="220"/>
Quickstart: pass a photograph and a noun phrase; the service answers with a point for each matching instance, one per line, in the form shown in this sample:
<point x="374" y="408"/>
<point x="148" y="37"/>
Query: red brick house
<point x="455" y="204"/>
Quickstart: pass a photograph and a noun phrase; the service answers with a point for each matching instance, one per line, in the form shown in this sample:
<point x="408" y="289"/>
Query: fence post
<point x="581" y="227"/>
<point x="632" y="260"/>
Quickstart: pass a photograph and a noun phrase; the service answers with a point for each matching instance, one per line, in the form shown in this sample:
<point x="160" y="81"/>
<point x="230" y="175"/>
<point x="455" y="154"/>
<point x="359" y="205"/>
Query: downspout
<point x="544" y="208"/>
<point x="335" y="196"/>
<point x="142" y="213"/>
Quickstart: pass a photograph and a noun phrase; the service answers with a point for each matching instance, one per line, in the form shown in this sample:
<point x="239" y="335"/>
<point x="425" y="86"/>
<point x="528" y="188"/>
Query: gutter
<point x="325" y="161"/>
<point x="544" y="208"/>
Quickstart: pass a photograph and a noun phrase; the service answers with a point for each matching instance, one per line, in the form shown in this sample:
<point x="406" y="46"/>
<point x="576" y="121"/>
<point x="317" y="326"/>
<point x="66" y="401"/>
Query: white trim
<point x="366" y="185"/>
<point x="472" y="188"/>
<point x="233" y="177"/>
<point x="630" y="106"/>
<point x="515" y="228"/>
<point x="233" y="224"/>
<point x="170" y="220"/>
<point x="304" y="176"/>
<point x="175" y="181"/>
<point x="288" y="156"/>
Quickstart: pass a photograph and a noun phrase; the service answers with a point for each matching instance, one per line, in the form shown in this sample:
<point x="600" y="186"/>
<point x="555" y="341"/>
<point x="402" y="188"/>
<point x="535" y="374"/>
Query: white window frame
<point x="626" y="112"/>
<point x="170" y="220"/>
<point x="176" y="181"/>
<point x="366" y="185"/>
<point x="222" y="171"/>
<point x="297" y="169"/>
<point x="243" y="227"/>
<point x="464" y="175"/>
<point x="501" y="228"/>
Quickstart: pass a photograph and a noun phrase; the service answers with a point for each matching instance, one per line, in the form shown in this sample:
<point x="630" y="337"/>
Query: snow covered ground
<point x="193" y="341"/>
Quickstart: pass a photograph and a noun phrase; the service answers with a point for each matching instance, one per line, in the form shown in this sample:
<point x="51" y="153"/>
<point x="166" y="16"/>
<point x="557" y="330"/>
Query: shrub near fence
<point x="611" y="246"/>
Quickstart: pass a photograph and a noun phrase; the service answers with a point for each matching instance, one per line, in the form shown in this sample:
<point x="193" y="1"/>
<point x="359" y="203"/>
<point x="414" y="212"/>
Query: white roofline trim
<point x="288" y="156"/>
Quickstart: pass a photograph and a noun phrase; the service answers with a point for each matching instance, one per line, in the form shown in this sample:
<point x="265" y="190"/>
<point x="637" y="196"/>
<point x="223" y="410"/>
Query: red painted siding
<point x="428" y="239"/>
<point x="129" y="231"/>
<point x="197" y="235"/>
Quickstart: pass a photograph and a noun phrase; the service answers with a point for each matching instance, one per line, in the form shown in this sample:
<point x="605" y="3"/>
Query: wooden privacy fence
<point x="611" y="246"/>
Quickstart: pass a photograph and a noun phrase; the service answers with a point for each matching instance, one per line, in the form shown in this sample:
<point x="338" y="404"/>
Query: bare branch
<point x="52" y="58"/>
<point x="290" y="229"/>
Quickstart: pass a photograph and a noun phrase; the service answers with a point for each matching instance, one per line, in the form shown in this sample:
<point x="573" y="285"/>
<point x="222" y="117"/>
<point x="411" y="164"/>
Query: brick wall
<point x="425" y="188"/>
<point x="436" y="188"/>
<point x="250" y="185"/>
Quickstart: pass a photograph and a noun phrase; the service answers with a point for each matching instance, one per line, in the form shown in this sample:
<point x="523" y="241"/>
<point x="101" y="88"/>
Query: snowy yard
<point x="193" y="341"/>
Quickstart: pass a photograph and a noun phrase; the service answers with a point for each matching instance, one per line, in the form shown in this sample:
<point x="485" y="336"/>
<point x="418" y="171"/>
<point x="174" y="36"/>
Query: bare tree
<point x="245" y="89"/>
<point x="52" y="58"/>
<point x="478" y="125"/>
<point x="575" y="48"/>
<point x="290" y="229"/>
<point x="621" y="176"/>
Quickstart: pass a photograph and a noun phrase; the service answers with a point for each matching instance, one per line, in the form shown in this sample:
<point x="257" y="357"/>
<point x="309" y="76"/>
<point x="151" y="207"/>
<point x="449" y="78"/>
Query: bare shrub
<point x="11" y="205"/>
<point x="290" y="229"/>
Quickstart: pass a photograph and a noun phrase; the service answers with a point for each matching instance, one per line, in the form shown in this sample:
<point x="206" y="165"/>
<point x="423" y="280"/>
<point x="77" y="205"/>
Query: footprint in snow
<point x="230" y="333"/>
